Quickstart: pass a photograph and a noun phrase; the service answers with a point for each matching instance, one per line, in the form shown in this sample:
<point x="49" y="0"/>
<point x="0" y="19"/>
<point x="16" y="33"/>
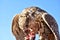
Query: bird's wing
<point x="50" y="21"/>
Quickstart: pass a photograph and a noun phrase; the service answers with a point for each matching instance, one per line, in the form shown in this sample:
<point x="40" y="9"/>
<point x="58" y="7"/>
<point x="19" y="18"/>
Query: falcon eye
<point x="33" y="14"/>
<point x="26" y="26"/>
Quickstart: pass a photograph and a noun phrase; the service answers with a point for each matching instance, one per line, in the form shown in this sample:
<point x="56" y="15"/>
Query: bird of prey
<point x="34" y="20"/>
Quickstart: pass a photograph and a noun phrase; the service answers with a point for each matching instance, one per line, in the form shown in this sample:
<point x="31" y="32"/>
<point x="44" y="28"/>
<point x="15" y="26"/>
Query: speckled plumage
<point x="36" y="19"/>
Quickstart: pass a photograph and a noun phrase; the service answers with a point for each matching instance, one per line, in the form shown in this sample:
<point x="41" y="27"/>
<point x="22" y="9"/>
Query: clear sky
<point x="9" y="8"/>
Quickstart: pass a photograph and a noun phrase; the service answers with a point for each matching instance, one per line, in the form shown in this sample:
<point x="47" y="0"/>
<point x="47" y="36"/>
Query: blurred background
<point x="9" y="8"/>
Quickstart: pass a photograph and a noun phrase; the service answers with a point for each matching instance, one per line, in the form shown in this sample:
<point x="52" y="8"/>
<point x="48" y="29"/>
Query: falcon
<point x="32" y="21"/>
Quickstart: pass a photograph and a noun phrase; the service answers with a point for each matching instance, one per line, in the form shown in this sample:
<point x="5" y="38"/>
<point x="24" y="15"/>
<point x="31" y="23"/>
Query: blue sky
<point x="9" y="8"/>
